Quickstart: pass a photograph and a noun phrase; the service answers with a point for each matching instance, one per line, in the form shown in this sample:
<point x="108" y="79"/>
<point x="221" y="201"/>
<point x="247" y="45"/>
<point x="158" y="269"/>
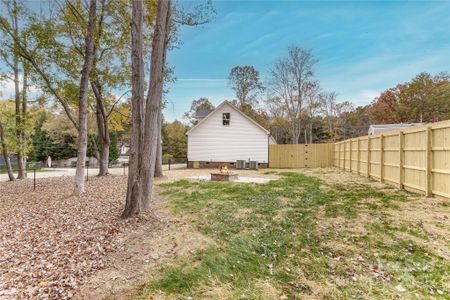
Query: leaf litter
<point x="50" y="241"/>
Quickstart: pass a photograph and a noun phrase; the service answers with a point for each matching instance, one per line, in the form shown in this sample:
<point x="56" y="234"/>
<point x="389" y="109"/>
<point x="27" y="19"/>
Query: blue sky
<point x="363" y="47"/>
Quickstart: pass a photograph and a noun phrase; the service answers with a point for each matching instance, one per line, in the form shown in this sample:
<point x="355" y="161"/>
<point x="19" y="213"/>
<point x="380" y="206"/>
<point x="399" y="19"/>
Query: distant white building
<point x="124" y="153"/>
<point x="226" y="135"/>
<point x="379" y="128"/>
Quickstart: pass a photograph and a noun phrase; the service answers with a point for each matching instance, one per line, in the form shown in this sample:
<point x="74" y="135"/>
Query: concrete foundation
<point x="216" y="165"/>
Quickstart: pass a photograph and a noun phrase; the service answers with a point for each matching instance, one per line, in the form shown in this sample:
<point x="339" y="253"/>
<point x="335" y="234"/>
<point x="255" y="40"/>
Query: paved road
<point x="57" y="172"/>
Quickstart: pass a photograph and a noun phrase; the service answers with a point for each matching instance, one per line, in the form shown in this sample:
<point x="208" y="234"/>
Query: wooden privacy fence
<point x="301" y="156"/>
<point x="416" y="159"/>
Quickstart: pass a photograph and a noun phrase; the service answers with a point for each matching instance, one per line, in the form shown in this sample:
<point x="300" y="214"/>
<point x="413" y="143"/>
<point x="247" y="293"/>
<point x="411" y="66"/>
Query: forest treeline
<point x="321" y="116"/>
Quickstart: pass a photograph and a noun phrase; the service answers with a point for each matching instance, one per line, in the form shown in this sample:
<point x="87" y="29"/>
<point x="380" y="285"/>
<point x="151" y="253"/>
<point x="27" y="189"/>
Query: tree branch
<point x="23" y="52"/>
<point x="115" y="103"/>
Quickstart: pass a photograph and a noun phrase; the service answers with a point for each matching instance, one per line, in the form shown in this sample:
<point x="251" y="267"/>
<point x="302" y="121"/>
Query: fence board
<point x="416" y="159"/>
<point x="301" y="156"/>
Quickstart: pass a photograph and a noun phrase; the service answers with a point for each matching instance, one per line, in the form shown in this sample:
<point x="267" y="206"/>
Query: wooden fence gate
<point x="301" y="156"/>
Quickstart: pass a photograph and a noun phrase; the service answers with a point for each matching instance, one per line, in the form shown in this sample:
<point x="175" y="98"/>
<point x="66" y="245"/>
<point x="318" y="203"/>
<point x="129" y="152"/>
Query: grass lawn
<point x="300" y="237"/>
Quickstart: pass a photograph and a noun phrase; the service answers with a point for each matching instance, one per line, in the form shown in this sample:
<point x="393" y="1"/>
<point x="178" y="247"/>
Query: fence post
<point x="428" y="161"/>
<point x="350" y="154"/>
<point x="87" y="172"/>
<point x="369" y="158"/>
<point x="339" y="157"/>
<point x="169" y="163"/>
<point x="401" y="158"/>
<point x="381" y="157"/>
<point x="344" y="155"/>
<point x="34" y="179"/>
<point x="358" y="156"/>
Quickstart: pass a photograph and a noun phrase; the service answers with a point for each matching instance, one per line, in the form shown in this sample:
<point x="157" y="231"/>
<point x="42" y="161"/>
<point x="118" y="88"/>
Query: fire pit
<point x="224" y="174"/>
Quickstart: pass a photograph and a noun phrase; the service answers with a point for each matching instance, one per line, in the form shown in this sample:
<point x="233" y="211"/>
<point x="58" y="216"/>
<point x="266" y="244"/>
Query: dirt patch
<point x="243" y="213"/>
<point x="431" y="217"/>
<point x="268" y="291"/>
<point x="141" y="250"/>
<point x="173" y="175"/>
<point x="216" y="291"/>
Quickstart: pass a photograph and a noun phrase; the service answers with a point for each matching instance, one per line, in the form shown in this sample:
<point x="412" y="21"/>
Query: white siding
<point x="242" y="139"/>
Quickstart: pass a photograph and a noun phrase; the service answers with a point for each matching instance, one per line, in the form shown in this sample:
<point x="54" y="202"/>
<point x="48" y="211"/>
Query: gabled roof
<point x="399" y="125"/>
<point x="376" y="128"/>
<point x="236" y="109"/>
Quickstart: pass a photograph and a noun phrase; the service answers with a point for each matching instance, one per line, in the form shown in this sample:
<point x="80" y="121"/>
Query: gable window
<point x="226" y="119"/>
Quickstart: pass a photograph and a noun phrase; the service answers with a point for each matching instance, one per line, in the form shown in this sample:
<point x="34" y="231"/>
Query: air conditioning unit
<point x="253" y="165"/>
<point x="240" y="164"/>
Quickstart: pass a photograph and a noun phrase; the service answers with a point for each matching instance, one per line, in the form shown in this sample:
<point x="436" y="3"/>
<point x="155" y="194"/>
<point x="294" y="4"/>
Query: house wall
<point x="241" y="140"/>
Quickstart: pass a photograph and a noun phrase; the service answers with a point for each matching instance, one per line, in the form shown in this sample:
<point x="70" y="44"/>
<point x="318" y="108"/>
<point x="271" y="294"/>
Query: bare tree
<point x="144" y="135"/>
<point x="344" y="114"/>
<point x="312" y="106"/>
<point x="246" y="83"/>
<point x="290" y="80"/>
<point x="328" y="109"/>
<point x="82" y="100"/>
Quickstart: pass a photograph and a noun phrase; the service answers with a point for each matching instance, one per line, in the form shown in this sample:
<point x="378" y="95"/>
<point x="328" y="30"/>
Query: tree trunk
<point x="103" y="131"/>
<point x="5" y="154"/>
<point x="21" y="174"/>
<point x="134" y="185"/>
<point x="144" y="138"/>
<point x="23" y="119"/>
<point x="104" y="159"/>
<point x="82" y="114"/>
<point x="153" y="102"/>
<point x="158" y="164"/>
<point x="95" y="147"/>
<point x="295" y="134"/>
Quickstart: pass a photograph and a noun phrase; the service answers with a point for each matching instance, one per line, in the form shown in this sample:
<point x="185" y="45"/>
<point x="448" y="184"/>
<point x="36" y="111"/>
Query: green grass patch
<point x="282" y="232"/>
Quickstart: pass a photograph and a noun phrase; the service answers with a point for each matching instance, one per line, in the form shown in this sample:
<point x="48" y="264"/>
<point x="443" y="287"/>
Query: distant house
<point x="12" y="160"/>
<point x="124" y="153"/>
<point x="379" y="128"/>
<point x="226" y="135"/>
<point x="72" y="162"/>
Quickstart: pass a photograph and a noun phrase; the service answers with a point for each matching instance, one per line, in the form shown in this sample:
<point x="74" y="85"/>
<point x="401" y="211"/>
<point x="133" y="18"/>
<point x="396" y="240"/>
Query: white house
<point x="226" y="135"/>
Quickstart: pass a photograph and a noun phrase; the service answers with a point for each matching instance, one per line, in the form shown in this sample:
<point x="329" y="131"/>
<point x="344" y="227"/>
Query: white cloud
<point x="367" y="96"/>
